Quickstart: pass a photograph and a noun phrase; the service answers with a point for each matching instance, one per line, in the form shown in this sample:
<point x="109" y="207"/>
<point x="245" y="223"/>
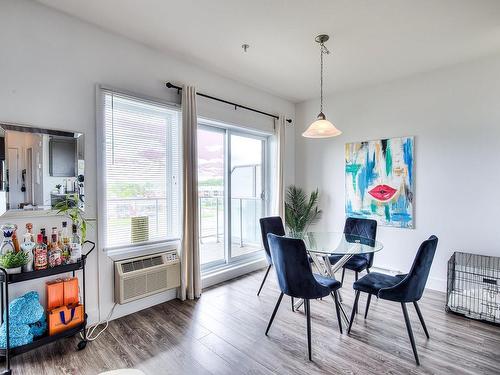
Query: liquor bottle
<point x="15" y="241"/>
<point x="29" y="229"/>
<point x="75" y="246"/>
<point x="64" y="242"/>
<point x="44" y="238"/>
<point x="27" y="247"/>
<point x="54" y="253"/>
<point x="7" y="243"/>
<point x="40" y="258"/>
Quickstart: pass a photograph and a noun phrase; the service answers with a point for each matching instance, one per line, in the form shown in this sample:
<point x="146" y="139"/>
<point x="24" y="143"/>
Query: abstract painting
<point x="380" y="181"/>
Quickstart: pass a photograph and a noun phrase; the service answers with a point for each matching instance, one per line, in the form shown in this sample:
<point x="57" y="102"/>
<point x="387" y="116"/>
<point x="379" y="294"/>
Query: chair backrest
<point x="274" y="225"/>
<point x="412" y="287"/>
<point x="366" y="228"/>
<point x="293" y="268"/>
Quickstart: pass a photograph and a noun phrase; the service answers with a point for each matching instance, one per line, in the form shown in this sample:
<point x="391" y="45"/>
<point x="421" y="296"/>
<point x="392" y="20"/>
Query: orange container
<point x="55" y="294"/>
<point x="71" y="296"/>
<point x="63" y="318"/>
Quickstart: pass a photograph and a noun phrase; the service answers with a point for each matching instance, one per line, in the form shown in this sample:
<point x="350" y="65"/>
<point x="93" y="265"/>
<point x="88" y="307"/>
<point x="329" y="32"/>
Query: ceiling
<point x="373" y="40"/>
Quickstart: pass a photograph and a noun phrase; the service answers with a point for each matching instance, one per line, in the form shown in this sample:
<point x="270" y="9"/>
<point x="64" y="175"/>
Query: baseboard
<point x="220" y="276"/>
<point x="436" y="283"/>
<point x="433" y="283"/>
<point x="141" y="304"/>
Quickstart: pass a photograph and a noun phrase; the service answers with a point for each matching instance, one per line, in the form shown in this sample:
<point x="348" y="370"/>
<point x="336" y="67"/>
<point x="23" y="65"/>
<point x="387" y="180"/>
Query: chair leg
<point x="343" y="274"/>
<point x="307" y="307"/>
<point x="410" y="332"/>
<point x="356" y="299"/>
<point x="293" y="310"/>
<point x="274" y="312"/>
<point x="264" y="280"/>
<point x="368" y="304"/>
<point x="337" y="308"/>
<point x="356" y="279"/>
<point x="419" y="313"/>
<point x="367" y="270"/>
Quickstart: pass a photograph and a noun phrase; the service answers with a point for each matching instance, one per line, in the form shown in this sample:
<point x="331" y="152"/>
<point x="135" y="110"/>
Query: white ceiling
<point x="373" y="40"/>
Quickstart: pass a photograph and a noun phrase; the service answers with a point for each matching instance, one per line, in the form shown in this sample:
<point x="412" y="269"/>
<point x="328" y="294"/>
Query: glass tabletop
<point x="340" y="243"/>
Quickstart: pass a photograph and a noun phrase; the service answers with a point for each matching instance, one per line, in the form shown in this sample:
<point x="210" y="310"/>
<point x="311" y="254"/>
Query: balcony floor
<point x="212" y="251"/>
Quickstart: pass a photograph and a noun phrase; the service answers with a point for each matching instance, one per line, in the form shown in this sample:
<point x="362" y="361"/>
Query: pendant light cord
<point x="323" y="50"/>
<point x="321" y="78"/>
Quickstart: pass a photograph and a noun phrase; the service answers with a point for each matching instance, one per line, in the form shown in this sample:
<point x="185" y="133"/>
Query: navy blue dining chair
<point x="296" y="279"/>
<point x="400" y="288"/>
<point x="273" y="225"/>
<point x="365" y="228"/>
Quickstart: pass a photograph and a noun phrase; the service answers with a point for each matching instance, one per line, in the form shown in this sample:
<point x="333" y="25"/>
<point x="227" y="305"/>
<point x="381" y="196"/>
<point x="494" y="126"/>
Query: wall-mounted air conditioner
<point x="146" y="275"/>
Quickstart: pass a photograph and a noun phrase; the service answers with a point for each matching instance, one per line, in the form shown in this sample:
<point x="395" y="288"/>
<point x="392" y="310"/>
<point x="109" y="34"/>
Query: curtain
<point x="279" y="201"/>
<point x="190" y="256"/>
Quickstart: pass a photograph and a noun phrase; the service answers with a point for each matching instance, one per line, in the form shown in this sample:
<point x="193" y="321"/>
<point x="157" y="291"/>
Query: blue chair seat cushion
<point x="357" y="262"/>
<point x="375" y="281"/>
<point x="329" y="282"/>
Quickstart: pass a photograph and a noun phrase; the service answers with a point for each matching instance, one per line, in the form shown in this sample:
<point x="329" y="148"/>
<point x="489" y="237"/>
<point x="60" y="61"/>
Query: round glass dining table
<point x="322" y="245"/>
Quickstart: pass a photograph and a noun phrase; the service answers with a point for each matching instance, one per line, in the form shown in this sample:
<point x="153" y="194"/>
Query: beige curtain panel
<point x="279" y="203"/>
<point x="190" y="257"/>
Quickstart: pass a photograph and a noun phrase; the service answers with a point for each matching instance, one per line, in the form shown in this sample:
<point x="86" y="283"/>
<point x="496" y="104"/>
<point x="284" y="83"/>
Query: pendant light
<point x="321" y="128"/>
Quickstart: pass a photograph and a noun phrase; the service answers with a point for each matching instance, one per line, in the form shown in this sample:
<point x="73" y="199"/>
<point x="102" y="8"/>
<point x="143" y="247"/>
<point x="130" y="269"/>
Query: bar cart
<point x="7" y="279"/>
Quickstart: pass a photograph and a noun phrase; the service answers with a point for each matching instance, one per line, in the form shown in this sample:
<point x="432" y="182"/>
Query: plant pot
<point x="13" y="270"/>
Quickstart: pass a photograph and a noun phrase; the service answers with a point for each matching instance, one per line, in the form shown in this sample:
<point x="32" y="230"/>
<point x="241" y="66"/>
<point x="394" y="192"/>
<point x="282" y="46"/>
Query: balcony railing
<point x="244" y="219"/>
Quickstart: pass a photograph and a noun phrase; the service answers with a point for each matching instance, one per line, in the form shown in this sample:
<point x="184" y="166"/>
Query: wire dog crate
<point x="474" y="286"/>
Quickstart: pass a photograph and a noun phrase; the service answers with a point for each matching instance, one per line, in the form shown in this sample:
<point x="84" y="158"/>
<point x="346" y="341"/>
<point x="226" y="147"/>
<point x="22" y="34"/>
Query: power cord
<point x="91" y="330"/>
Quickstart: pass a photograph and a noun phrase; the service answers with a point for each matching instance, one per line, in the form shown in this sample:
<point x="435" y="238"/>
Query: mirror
<point x="40" y="168"/>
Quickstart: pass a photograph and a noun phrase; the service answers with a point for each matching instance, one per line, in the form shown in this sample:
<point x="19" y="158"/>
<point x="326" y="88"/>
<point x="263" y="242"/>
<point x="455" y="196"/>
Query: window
<point x="142" y="168"/>
<point x="231" y="191"/>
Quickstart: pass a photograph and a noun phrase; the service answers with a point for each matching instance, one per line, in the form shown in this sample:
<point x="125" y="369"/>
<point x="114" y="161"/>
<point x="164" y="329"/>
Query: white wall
<point x="49" y="67"/>
<point x="454" y="115"/>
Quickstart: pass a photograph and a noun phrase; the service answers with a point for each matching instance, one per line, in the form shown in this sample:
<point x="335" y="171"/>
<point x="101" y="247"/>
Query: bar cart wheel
<point x="82" y="345"/>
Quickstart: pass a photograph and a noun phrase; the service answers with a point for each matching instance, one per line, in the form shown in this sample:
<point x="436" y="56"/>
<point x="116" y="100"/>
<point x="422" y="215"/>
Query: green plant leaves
<point x="13" y="259"/>
<point x="69" y="207"/>
<point x="300" y="211"/>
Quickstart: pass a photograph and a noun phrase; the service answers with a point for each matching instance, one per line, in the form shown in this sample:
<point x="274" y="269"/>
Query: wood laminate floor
<point x="223" y="333"/>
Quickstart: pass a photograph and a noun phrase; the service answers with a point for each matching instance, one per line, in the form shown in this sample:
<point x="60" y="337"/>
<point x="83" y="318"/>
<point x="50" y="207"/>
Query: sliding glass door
<point x="247" y="193"/>
<point x="232" y="184"/>
<point x="212" y="195"/>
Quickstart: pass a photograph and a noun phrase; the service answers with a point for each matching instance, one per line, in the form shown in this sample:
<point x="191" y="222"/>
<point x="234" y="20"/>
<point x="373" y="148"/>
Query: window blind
<point x="142" y="164"/>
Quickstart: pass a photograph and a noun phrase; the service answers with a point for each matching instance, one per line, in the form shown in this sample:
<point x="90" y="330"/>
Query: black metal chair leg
<point x="368" y="304"/>
<point x="307" y="307"/>
<point x="356" y="279"/>
<point x="410" y="332"/>
<point x="293" y="308"/>
<point x="274" y="312"/>
<point x="367" y="270"/>
<point x="337" y="308"/>
<point x="343" y="274"/>
<point x="264" y="280"/>
<point x="419" y="313"/>
<point x="356" y="299"/>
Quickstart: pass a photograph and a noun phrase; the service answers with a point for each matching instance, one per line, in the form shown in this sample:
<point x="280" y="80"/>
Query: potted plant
<point x="300" y="211"/>
<point x="69" y="207"/>
<point x="12" y="261"/>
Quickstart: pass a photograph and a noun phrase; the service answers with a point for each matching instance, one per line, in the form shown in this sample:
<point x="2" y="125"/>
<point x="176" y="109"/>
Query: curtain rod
<point x="236" y="105"/>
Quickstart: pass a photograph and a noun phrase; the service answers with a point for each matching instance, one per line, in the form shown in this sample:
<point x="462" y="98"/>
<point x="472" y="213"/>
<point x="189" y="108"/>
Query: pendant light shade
<point x="321" y="128"/>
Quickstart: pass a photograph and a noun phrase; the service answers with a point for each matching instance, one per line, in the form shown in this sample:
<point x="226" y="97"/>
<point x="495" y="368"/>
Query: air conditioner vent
<point x="143" y="276"/>
<point x="142" y="263"/>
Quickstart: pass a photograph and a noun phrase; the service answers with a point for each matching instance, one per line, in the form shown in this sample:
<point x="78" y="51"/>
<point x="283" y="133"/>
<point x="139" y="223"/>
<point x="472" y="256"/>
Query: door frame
<point x="234" y="259"/>
<point x="229" y="130"/>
